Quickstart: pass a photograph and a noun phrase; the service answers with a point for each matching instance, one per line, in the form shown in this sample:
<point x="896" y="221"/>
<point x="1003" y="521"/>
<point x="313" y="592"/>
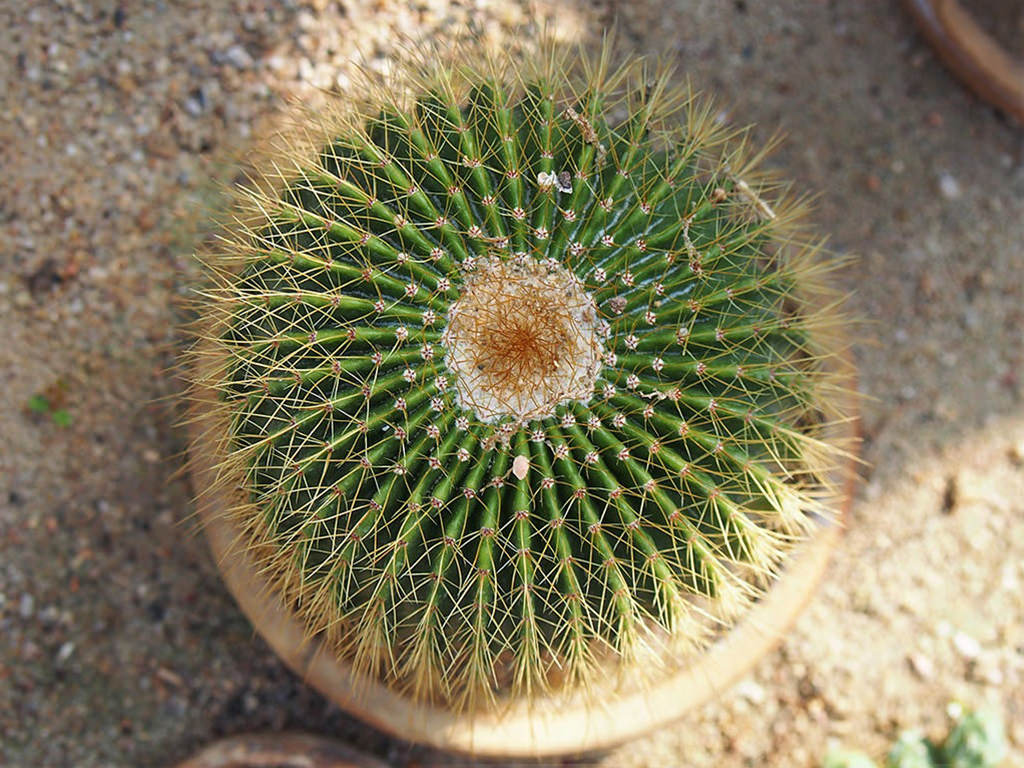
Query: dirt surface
<point x="118" y="644"/>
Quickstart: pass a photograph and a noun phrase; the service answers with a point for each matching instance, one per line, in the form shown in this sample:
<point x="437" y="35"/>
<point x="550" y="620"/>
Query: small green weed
<point x="47" y="404"/>
<point x="978" y="740"/>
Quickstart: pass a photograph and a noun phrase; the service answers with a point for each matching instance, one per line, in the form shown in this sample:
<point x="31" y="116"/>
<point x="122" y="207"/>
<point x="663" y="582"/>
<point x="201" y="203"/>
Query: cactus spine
<point x="519" y="378"/>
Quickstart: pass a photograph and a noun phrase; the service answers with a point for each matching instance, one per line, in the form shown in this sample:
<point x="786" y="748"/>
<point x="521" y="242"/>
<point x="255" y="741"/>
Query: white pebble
<point x="238" y="57"/>
<point x="966" y="646"/>
<point x="923" y="666"/>
<point x="949" y="186"/>
<point x="65" y="651"/>
<point x="520" y="466"/>
<point x="751" y="691"/>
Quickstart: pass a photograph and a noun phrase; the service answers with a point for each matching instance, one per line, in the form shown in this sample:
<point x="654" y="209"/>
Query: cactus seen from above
<point x="524" y="372"/>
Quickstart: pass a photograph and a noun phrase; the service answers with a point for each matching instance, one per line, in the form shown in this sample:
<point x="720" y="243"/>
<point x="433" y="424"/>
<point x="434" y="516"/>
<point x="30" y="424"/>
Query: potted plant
<point x="521" y="419"/>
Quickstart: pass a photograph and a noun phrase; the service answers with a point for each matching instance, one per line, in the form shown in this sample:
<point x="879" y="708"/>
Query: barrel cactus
<point x="519" y="374"/>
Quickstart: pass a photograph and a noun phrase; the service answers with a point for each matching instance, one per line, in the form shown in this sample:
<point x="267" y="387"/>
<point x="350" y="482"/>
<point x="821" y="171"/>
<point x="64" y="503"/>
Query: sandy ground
<point x="118" y="644"/>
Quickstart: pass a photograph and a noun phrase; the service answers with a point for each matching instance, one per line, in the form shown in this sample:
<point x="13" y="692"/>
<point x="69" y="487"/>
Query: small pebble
<point x="751" y="691"/>
<point x="238" y="57"/>
<point x="65" y="651"/>
<point x="966" y="646"/>
<point x="949" y="187"/>
<point x="923" y="666"/>
<point x="520" y="466"/>
<point x="170" y="677"/>
<point x="195" y="104"/>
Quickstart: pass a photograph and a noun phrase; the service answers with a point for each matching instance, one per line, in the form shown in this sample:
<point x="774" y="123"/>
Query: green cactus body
<point x="523" y="377"/>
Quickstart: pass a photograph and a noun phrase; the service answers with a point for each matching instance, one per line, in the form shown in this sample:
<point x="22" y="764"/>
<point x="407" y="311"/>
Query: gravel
<point x="120" y="121"/>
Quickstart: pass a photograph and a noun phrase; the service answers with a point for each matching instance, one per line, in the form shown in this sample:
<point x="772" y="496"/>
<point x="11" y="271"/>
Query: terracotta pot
<point x="279" y="750"/>
<point x="972" y="54"/>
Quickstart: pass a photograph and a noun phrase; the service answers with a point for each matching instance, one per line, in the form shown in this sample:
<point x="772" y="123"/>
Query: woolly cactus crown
<point x="521" y="374"/>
